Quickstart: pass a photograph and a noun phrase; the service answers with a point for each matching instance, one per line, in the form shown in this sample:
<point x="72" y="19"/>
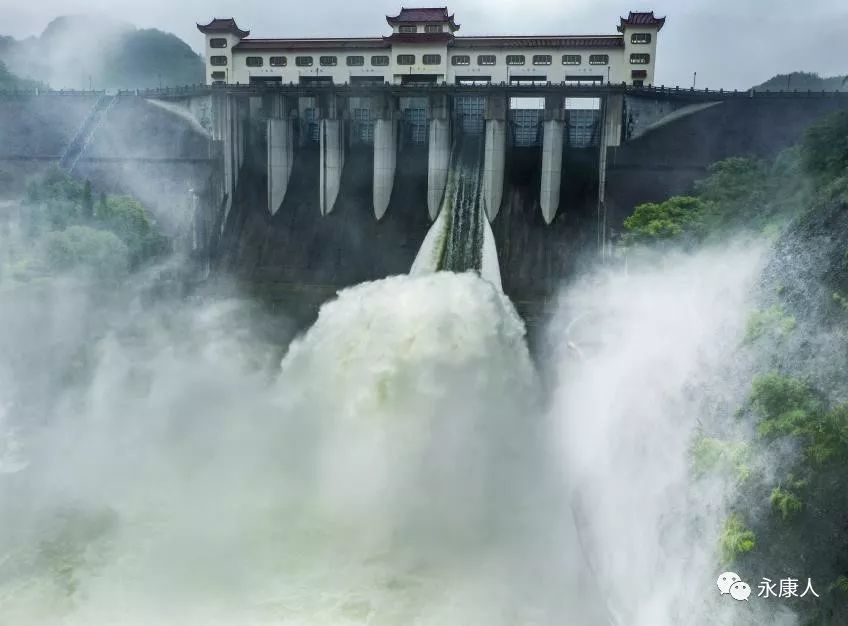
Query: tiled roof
<point x="600" y="41"/>
<point x="345" y="43"/>
<point x="218" y="25"/>
<point x="635" y="18"/>
<point x="423" y="14"/>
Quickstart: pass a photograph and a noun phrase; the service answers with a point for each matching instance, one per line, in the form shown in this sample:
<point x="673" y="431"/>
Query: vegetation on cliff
<point x="786" y="460"/>
<point x="64" y="228"/>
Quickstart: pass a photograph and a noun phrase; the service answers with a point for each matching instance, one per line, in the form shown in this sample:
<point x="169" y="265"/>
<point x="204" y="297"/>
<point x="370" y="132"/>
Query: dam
<point x="303" y="166"/>
<point x="300" y="190"/>
<point x="356" y="331"/>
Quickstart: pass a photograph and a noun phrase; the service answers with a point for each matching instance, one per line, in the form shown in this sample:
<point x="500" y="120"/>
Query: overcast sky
<point x="730" y="43"/>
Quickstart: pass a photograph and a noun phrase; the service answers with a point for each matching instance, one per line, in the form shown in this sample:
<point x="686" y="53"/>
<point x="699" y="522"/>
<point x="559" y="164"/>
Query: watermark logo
<point x="726" y="580"/>
<point x="730" y="583"/>
<point x="740" y="591"/>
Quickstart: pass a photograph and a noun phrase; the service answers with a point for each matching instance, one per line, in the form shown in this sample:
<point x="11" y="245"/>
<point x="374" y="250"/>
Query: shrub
<point x="736" y="539"/>
<point x="709" y="454"/>
<point x="87" y="249"/>
<point x="785" y="502"/>
<point x="773" y="321"/>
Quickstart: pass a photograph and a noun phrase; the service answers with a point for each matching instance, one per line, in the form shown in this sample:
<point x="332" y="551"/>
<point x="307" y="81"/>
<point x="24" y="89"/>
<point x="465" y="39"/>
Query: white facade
<point x="423" y="47"/>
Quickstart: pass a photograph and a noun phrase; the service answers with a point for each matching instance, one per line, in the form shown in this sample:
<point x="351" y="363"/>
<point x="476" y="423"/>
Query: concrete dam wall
<point x="284" y="194"/>
<point x="122" y="144"/>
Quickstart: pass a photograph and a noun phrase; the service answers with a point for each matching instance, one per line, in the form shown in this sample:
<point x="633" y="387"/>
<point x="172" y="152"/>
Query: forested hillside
<point x="803" y="81"/>
<point x="82" y="52"/>
<point x="788" y="502"/>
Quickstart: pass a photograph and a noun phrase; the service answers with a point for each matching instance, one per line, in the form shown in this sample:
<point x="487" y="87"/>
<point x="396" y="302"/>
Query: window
<point x="328" y="61"/>
<point x="255" y="62"/>
<point x="486" y="59"/>
<point x="217" y="60"/>
<point x="406" y="59"/>
<point x="278" y="61"/>
<point x="639" y="73"/>
<point x="303" y="61"/>
<point x="640" y="59"/>
<point x="515" y="59"/>
<point x="640" y="38"/>
<point x="356" y="61"/>
<point x="219" y="75"/>
<point x="639" y="83"/>
<point x="571" y="59"/>
<point x="432" y="59"/>
<point x="408" y="29"/>
<point x="433" y="28"/>
<point x="598" y="59"/>
<point x="379" y="60"/>
<point x="542" y="59"/>
<point x="218" y="42"/>
<point x="460" y="59"/>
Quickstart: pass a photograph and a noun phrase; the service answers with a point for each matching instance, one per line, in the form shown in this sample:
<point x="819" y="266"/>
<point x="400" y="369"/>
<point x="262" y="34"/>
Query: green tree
<point x="825" y="147"/>
<point x="734" y="182"/>
<point x="89" y="249"/>
<point x="128" y="219"/>
<point x="679" y="218"/>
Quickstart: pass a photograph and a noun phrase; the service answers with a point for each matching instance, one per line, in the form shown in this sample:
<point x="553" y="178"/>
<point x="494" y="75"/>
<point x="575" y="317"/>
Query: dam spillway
<point x="461" y="239"/>
<point x="244" y="164"/>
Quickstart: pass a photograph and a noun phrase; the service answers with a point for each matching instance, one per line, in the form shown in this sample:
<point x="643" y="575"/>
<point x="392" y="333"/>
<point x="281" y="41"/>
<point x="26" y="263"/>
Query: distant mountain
<point x="81" y="52"/>
<point x="803" y="81"/>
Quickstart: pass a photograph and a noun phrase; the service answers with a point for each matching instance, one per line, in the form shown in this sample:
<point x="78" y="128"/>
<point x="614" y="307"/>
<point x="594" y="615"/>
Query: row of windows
<point x="325" y="61"/>
<point x="428" y="28"/>
<point x="538" y="59"/>
<point x="331" y="61"/>
<point x="427" y="59"/>
<point x="432" y="59"/>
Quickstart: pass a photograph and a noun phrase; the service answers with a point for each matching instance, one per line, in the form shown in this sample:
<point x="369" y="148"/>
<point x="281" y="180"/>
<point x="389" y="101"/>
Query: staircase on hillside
<point x="86" y="131"/>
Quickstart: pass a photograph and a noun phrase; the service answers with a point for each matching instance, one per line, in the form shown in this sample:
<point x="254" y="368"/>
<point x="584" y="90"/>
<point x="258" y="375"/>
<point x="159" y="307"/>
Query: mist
<point x="402" y="461"/>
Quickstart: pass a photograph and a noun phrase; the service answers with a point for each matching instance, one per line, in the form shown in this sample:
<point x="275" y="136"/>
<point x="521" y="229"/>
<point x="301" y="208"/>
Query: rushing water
<point x="395" y="471"/>
<point x="402" y="464"/>
<point x="461" y="239"/>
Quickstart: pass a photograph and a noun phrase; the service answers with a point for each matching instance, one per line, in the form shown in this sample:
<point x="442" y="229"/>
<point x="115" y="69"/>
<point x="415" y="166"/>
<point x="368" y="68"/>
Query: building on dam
<point x="424" y="47"/>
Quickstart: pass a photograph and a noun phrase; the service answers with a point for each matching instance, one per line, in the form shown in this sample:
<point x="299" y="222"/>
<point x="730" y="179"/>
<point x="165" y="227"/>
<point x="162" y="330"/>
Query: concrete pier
<point x="224" y="131"/>
<point x="332" y="161"/>
<point x="438" y="155"/>
<point x="385" y="162"/>
<point x="613" y="112"/>
<point x="493" y="167"/>
<point x="552" y="143"/>
<point x="280" y="160"/>
<point x="554" y="131"/>
<point x="438" y="161"/>
<point x="495" y="155"/>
